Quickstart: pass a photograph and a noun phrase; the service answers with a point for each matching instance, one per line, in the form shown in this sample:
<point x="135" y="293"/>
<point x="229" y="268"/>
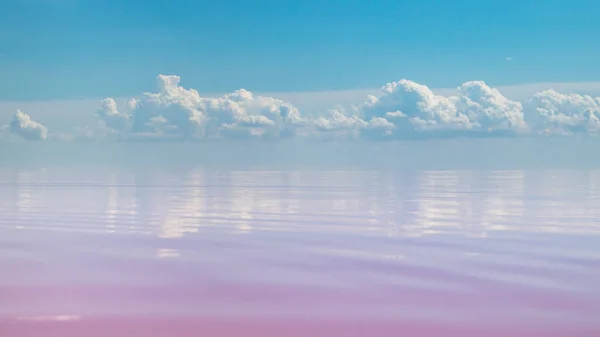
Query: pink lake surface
<point x="197" y="252"/>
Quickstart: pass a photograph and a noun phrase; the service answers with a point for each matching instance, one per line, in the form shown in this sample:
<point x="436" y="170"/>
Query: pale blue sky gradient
<point x="65" y="49"/>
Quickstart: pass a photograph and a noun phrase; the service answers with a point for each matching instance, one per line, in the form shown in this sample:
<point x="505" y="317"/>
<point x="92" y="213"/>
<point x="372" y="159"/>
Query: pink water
<point x="299" y="253"/>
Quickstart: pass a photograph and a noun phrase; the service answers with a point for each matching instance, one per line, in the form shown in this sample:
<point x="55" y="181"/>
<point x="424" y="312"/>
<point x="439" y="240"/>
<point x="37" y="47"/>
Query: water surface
<point x="200" y="252"/>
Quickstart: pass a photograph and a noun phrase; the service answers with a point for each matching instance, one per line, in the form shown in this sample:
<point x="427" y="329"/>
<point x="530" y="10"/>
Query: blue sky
<point x="66" y="49"/>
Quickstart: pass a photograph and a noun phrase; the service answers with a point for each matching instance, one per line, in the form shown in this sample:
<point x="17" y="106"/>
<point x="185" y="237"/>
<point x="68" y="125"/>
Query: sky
<point x="436" y="68"/>
<point x="86" y="48"/>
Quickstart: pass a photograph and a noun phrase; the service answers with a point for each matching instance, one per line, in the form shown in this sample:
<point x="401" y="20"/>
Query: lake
<point x="312" y="252"/>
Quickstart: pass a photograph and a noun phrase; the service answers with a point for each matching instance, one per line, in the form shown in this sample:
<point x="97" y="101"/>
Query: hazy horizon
<point x="566" y="153"/>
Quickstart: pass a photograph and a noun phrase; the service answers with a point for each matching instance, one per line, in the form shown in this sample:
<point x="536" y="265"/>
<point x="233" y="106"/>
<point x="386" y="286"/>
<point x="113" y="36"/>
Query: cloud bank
<point x="400" y="110"/>
<point x="23" y="126"/>
<point x="407" y="109"/>
<point x="551" y="112"/>
<point x="180" y="113"/>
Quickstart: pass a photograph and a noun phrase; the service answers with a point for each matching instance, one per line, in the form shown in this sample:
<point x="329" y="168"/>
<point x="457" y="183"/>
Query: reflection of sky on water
<point x="439" y="245"/>
<point x="175" y="204"/>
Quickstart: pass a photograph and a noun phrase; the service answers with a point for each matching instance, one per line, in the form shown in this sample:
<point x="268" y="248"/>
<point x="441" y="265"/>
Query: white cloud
<point x="550" y="112"/>
<point x="415" y="104"/>
<point x="112" y="118"/>
<point x="413" y="107"/>
<point x="402" y="109"/>
<point x="23" y="126"/>
<point x="488" y="109"/>
<point x="178" y="112"/>
<point x="405" y="109"/>
<point x="336" y="120"/>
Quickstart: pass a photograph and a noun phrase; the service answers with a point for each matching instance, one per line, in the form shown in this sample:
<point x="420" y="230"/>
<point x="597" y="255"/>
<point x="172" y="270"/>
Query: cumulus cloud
<point x="111" y="117"/>
<point x="23" y="126"/>
<point x="413" y="107"/>
<point x="337" y="120"/>
<point x="402" y="109"/>
<point x="550" y="112"/>
<point x="488" y="109"/>
<point x="175" y="111"/>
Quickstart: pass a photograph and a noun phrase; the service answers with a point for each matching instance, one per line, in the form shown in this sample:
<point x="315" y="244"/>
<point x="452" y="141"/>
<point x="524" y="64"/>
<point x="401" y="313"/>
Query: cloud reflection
<point x="411" y="203"/>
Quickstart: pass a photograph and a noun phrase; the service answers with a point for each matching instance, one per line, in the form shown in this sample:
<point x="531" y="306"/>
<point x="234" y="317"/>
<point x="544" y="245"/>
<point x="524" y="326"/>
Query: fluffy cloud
<point x="23" y="126"/>
<point x="414" y="108"/>
<point x="488" y="109"/>
<point x="402" y="109"/>
<point x="111" y="117"/>
<point x="338" y="123"/>
<point x="406" y="109"/>
<point x="337" y="120"/>
<point x="550" y="112"/>
<point x="178" y="112"/>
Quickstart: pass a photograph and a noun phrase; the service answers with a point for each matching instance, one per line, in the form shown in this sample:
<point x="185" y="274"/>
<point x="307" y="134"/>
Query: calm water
<point x="299" y="253"/>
